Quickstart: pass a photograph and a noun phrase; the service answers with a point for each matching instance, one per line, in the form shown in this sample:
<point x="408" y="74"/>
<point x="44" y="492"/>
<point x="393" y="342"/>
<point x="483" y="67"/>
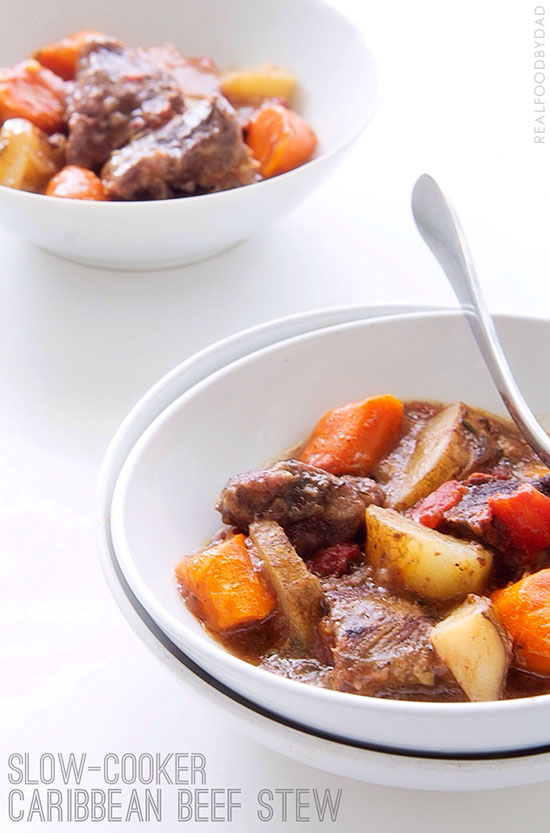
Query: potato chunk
<point x="298" y="592"/>
<point x="251" y="86"/>
<point x="452" y="444"/>
<point x="475" y="648"/>
<point x="409" y="556"/>
<point x="28" y="158"/>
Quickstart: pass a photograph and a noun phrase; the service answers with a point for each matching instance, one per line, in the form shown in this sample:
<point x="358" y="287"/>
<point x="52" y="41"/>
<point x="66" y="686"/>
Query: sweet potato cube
<point x="230" y="592"/>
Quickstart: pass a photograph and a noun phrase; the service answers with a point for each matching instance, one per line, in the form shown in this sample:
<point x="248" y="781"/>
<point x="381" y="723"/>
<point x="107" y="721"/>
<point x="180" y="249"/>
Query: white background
<point x="80" y="346"/>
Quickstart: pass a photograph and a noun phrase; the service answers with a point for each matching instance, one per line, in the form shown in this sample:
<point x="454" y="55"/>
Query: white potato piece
<point x="409" y="556"/>
<point x="475" y="648"/>
<point x="28" y="157"/>
<point x="299" y="592"/>
<point x="257" y="83"/>
<point x="448" y="447"/>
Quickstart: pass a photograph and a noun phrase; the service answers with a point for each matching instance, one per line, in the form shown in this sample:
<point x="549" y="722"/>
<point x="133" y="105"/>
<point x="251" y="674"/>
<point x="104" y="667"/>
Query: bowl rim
<point x="349" y="137"/>
<point x="170" y="624"/>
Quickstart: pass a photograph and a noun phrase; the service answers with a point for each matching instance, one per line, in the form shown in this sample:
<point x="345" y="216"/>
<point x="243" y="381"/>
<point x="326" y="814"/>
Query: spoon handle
<point x="441" y="230"/>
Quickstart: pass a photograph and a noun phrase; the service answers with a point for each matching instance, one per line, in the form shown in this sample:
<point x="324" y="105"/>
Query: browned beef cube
<point x="472" y="517"/>
<point x="543" y="484"/>
<point x="200" y="151"/>
<point x="118" y="92"/>
<point x="378" y="643"/>
<point x="369" y="489"/>
<point x="315" y="508"/>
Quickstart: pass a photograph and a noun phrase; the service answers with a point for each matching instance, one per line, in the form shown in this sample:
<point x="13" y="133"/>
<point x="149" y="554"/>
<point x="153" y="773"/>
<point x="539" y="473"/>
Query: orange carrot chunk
<point x="526" y="515"/>
<point x="228" y="589"/>
<point x="351" y="439"/>
<point x="524" y="610"/>
<point x="76" y="183"/>
<point x="279" y="139"/>
<point x="30" y="91"/>
<point x="62" y="56"/>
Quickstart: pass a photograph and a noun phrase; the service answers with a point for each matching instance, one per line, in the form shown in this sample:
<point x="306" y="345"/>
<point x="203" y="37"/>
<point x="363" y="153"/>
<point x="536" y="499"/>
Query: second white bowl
<point x="338" y="96"/>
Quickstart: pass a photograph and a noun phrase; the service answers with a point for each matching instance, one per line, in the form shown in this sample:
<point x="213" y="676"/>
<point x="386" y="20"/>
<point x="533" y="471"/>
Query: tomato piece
<point x="525" y="514"/>
<point x="335" y="560"/>
<point x="429" y="511"/>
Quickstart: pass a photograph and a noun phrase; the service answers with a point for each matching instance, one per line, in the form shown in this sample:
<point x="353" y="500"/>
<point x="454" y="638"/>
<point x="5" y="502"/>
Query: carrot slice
<point x="62" y="56"/>
<point x="30" y="91"/>
<point x="526" y="515"/>
<point x="230" y="592"/>
<point x="76" y="183"/>
<point x="280" y="139"/>
<point x="524" y="610"/>
<point x="351" y="439"/>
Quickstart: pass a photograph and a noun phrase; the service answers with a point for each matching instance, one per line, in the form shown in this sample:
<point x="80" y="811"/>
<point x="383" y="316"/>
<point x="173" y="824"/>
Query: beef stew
<point x="90" y="117"/>
<point x="404" y="551"/>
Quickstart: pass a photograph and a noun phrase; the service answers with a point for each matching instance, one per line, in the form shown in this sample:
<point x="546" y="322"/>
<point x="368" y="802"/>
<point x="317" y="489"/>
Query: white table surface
<point x="78" y="347"/>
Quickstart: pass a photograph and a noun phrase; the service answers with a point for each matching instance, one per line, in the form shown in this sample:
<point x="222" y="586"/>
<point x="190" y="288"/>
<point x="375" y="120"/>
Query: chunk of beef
<point x="301" y="669"/>
<point x="200" y="151"/>
<point x="462" y="509"/>
<point x="543" y="484"/>
<point x="369" y="489"/>
<point x="315" y="508"/>
<point x="118" y="92"/>
<point x="472" y="518"/>
<point x="378" y="642"/>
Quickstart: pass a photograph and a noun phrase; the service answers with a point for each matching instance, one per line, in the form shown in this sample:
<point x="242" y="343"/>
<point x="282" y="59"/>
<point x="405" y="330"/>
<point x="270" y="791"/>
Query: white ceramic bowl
<point x="248" y="412"/>
<point x="338" y="95"/>
<point x="359" y="761"/>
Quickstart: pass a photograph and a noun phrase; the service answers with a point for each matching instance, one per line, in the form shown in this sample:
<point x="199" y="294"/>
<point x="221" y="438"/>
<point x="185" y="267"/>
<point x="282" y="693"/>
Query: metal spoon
<point x="439" y="226"/>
